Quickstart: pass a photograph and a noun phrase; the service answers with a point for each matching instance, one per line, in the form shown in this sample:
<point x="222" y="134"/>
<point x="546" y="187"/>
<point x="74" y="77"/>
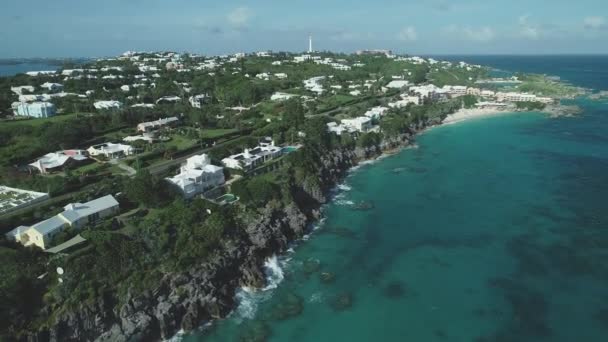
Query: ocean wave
<point x="250" y="298"/>
<point x="344" y="202"/>
<point x="344" y="187"/>
<point x="274" y="273"/>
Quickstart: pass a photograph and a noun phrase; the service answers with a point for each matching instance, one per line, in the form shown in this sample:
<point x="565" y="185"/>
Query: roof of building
<point x="75" y="211"/>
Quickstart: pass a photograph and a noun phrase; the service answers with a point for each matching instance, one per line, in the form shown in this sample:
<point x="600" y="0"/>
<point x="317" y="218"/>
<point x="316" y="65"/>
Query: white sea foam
<point x="274" y="273"/>
<point x="344" y="202"/>
<point x="250" y="298"/>
<point x="344" y="187"/>
<point x="316" y="297"/>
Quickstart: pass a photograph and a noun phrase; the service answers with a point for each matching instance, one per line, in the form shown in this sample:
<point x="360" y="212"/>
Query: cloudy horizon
<point x="37" y="28"/>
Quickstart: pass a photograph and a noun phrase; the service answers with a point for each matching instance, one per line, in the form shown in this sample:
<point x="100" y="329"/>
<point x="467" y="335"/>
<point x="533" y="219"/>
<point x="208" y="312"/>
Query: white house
<point x="197" y="101"/>
<point x="376" y="112"/>
<point x="56" y="160"/>
<point x="197" y="175"/>
<point x="359" y="124"/>
<point x="397" y="84"/>
<point x="405" y="100"/>
<point x="279" y="96"/>
<point x="426" y="91"/>
<point x="75" y="215"/>
<point x="109" y="105"/>
<point x="19" y="90"/>
<point x="111" y="150"/>
<point x="41" y="73"/>
<point x="35" y="109"/>
<point x="168" y="99"/>
<point x="313" y="84"/>
<point x="280" y="75"/>
<point x="52" y="86"/>
<point x="251" y="158"/>
<point x="152" y="125"/>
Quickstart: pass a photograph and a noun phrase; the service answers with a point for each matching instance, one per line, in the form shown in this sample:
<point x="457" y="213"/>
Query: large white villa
<point x="251" y="158"/>
<point x="75" y="215"/>
<point x="197" y="175"/>
<point x="111" y="150"/>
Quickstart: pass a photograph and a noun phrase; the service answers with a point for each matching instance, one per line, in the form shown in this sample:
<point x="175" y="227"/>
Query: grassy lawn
<point x="90" y="168"/>
<point x="217" y="133"/>
<point x="334" y="101"/>
<point x="40" y="122"/>
<point x="181" y="142"/>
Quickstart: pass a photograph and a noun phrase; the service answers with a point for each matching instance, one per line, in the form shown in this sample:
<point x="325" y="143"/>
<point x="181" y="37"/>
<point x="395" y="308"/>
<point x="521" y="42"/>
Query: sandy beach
<point x="466" y="114"/>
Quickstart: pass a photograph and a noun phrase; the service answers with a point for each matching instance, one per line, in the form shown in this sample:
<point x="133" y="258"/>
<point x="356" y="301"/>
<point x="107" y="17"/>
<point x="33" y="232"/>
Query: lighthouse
<point x="310" y="44"/>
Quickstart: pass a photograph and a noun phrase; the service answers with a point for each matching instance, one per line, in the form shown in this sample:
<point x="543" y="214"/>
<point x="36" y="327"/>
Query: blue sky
<point x="70" y="28"/>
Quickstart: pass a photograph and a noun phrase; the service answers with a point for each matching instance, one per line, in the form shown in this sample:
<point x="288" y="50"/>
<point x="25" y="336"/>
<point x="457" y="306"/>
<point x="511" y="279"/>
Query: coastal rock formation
<point x="206" y="292"/>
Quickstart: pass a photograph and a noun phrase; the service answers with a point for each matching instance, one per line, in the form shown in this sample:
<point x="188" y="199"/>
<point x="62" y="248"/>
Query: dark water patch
<point x="342" y="301"/>
<point x="363" y="206"/>
<point x="327" y="277"/>
<point x="341" y="232"/>
<point x="395" y="289"/>
<point x="415" y="169"/>
<point x="569" y="261"/>
<point x="529" y="310"/>
<point x="602" y="317"/>
<point x="440" y="334"/>
<point x="529" y="255"/>
<point x="291" y="305"/>
<point x="310" y="266"/>
<point x="255" y="331"/>
<point x="488" y="313"/>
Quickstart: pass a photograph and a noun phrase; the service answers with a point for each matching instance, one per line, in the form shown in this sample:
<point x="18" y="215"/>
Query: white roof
<point x="397" y="84"/>
<point x="75" y="211"/>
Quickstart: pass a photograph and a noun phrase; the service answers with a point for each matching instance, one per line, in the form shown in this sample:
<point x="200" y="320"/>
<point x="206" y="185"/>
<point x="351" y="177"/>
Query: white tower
<point x="310" y="44"/>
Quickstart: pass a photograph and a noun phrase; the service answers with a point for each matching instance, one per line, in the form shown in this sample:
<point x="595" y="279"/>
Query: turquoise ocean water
<point x="494" y="229"/>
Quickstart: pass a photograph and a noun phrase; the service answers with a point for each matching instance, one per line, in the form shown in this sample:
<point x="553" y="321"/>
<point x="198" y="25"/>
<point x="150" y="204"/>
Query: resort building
<point x="58" y="160"/>
<point x="251" y="158"/>
<point x="75" y="215"/>
<point x="521" y="97"/>
<point x="107" y="105"/>
<point x="35" y="109"/>
<point x="197" y="175"/>
<point x="154" y="125"/>
<point x="426" y="92"/>
<point x="111" y="150"/>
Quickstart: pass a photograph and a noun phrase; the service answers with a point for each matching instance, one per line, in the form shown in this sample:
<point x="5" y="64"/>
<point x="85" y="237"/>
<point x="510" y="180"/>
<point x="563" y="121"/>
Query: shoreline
<point x="553" y="110"/>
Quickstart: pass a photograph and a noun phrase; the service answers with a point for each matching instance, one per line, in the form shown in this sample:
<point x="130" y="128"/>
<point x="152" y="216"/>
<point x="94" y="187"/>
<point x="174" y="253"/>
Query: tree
<point x="142" y="189"/>
<point x="469" y="101"/>
<point x="294" y="113"/>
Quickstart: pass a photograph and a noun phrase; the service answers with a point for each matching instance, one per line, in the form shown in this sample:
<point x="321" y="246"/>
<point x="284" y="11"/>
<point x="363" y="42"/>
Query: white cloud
<point x="408" y="34"/>
<point x="240" y="16"/>
<point x="594" y="22"/>
<point x="481" y="34"/>
<point x="527" y="29"/>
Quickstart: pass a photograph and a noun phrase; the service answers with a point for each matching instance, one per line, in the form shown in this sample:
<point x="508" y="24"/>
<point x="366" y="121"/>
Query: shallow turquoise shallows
<point x="494" y="229"/>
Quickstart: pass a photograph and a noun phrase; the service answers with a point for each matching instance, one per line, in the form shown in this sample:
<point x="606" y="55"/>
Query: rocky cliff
<point x="207" y="291"/>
